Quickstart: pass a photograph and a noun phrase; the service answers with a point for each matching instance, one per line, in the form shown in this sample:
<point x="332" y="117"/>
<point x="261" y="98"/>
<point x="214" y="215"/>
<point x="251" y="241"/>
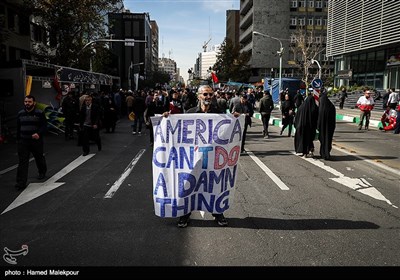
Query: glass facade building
<point x="364" y="40"/>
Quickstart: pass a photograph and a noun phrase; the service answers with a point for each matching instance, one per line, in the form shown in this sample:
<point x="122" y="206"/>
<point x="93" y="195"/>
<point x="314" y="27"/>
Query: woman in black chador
<point x="326" y="125"/>
<point x="306" y="125"/>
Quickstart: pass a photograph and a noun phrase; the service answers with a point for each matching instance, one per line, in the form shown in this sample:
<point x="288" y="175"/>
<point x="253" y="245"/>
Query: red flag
<point x="214" y="77"/>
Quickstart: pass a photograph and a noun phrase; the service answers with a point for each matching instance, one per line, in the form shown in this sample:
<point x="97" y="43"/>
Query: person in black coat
<point x="287" y="114"/>
<point x="306" y="125"/>
<point x="245" y="108"/>
<point x="90" y="123"/>
<point x="110" y="114"/>
<point x="326" y="125"/>
<point x="70" y="109"/>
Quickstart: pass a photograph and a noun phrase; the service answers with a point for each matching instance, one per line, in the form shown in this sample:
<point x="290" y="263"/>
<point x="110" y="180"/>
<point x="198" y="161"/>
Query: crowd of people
<point x="87" y="114"/>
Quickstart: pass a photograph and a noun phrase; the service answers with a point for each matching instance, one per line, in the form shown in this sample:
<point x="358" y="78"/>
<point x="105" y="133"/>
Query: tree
<point x="231" y="63"/>
<point x="156" y="77"/>
<point x="70" y="25"/>
<point x="305" y="48"/>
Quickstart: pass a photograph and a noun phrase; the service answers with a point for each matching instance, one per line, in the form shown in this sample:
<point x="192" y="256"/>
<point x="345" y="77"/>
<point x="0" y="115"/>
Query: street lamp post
<point x="128" y="43"/>
<point x="319" y="66"/>
<point x="280" y="53"/>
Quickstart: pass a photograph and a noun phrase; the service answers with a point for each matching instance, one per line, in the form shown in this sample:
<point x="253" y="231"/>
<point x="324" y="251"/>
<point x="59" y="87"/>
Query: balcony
<point x="246" y="35"/>
<point x="247" y="47"/>
<point x="246" y="6"/>
<point x="247" y="20"/>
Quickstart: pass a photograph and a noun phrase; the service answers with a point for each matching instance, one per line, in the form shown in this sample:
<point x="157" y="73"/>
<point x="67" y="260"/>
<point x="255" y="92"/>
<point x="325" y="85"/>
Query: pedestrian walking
<point x="245" y="108"/>
<point x="90" y="124"/>
<point x="365" y="103"/>
<point x="70" y="109"/>
<point x="31" y="127"/>
<point x="342" y="97"/>
<point x="288" y="114"/>
<point x="326" y="125"/>
<point x="266" y="107"/>
<point x="306" y="124"/>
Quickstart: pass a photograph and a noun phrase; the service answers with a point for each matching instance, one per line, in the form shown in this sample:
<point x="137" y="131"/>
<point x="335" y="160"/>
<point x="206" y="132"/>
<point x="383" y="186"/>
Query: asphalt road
<point x="342" y="212"/>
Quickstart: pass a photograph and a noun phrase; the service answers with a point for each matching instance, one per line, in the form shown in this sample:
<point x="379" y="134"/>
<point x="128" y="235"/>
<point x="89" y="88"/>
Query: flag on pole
<point x="214" y="78"/>
<point x="28" y="85"/>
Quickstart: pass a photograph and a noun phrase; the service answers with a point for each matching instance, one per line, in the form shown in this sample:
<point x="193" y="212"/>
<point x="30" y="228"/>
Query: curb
<point x="278" y="122"/>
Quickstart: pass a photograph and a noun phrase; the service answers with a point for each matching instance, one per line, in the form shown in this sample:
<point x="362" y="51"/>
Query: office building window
<point x="318" y="4"/>
<point x="293" y="21"/>
<point x="293" y="4"/>
<point x="302" y="3"/>
<point x="302" y="21"/>
<point x="311" y="3"/>
<point x="318" y="21"/>
<point x="310" y="21"/>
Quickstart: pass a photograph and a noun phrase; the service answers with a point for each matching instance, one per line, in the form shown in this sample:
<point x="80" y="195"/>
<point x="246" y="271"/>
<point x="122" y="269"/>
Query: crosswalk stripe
<point x="124" y="175"/>
<point x="268" y="171"/>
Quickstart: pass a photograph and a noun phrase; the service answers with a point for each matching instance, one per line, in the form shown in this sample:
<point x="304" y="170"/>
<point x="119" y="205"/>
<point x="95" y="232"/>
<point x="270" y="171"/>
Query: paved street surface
<point x="287" y="210"/>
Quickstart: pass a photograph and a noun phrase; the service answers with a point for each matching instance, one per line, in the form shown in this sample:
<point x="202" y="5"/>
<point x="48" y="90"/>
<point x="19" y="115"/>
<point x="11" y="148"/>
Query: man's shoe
<point x="183" y="221"/>
<point x="220" y="218"/>
<point x="133" y="132"/>
<point x="41" y="176"/>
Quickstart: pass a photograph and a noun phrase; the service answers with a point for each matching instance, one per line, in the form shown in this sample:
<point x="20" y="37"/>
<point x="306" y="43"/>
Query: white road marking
<point x="34" y="190"/>
<point x="268" y="171"/>
<point x="124" y="175"/>
<point x="358" y="184"/>
<point x="13" y="167"/>
<point x="380" y="165"/>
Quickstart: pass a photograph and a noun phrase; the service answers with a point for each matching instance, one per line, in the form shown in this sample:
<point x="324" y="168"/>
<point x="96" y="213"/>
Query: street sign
<point x="316" y="83"/>
<point x="129" y="42"/>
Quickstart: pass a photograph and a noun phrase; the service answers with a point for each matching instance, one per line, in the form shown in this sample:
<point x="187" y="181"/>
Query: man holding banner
<point x="195" y="161"/>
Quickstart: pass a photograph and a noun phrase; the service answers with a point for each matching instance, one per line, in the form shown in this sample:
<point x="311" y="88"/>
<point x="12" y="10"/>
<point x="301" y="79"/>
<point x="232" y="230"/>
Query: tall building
<point x="232" y="26"/>
<point x="364" y="40"/>
<point x="15" y="26"/>
<point x="279" y="19"/>
<point x="132" y="59"/>
<point x="154" y="46"/>
<point x="206" y="60"/>
<point x="168" y="65"/>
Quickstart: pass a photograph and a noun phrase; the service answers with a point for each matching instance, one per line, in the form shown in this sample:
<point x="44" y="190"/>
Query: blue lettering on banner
<point x="213" y="204"/>
<point x="195" y="163"/>
<point x="181" y="132"/>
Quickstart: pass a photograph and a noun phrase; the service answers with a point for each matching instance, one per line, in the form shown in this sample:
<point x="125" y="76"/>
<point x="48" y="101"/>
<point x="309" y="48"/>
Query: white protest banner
<point x="195" y="162"/>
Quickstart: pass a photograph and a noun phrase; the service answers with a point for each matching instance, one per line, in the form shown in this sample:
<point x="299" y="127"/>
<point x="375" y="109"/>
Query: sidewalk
<point x="346" y="114"/>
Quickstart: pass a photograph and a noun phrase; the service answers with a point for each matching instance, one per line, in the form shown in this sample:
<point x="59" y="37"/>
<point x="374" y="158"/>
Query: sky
<point x="185" y="25"/>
